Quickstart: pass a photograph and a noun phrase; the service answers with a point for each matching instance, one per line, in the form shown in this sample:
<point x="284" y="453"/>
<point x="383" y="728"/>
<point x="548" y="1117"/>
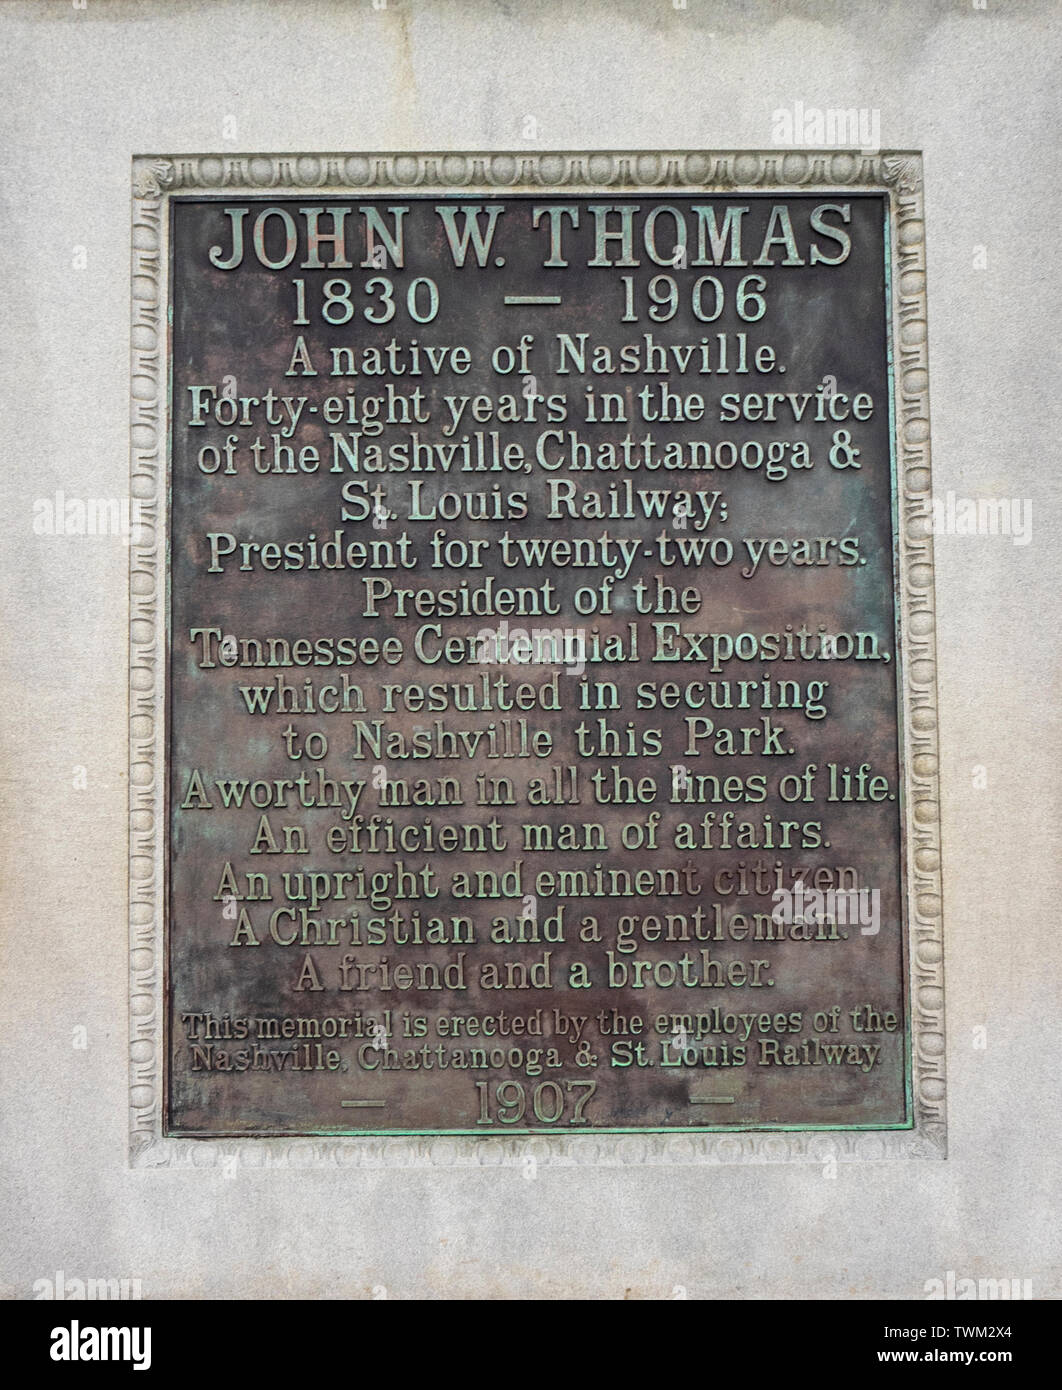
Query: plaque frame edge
<point x="898" y="175"/>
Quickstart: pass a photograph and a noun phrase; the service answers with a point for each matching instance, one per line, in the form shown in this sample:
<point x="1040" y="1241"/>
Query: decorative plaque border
<point x="898" y="175"/>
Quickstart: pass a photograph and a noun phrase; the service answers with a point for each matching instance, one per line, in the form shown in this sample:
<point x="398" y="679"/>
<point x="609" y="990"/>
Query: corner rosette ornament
<point x="153" y="178"/>
<point x="903" y="173"/>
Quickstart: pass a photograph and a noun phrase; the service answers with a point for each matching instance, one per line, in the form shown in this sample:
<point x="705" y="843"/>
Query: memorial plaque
<point x="546" y="668"/>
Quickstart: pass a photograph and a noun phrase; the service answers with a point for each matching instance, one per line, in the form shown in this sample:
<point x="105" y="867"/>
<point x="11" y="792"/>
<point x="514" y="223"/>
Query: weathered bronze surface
<point x="300" y="1002"/>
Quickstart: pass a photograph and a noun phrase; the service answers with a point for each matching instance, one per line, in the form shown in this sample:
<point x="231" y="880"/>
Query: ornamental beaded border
<point x="898" y="174"/>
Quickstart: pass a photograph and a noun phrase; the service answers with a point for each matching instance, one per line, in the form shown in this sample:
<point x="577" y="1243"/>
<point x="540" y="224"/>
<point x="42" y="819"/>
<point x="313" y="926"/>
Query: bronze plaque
<point x="534" y="734"/>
